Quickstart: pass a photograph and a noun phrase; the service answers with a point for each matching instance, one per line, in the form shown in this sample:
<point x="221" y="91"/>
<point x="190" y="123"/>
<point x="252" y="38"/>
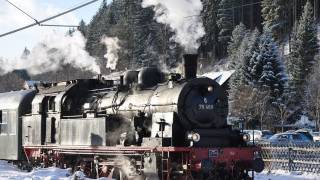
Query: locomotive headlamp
<point x="210" y="88"/>
<point x="196" y="137"/>
<point x="246" y="137"/>
<point x="192" y="136"/>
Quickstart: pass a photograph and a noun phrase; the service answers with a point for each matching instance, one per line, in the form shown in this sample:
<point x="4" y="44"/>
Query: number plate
<point x="213" y="153"/>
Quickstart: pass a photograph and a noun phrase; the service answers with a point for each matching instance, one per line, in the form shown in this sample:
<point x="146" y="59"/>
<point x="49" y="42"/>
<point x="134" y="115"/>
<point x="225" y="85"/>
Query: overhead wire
<point x="22" y="11"/>
<point x="59" y="25"/>
<point x="47" y="19"/>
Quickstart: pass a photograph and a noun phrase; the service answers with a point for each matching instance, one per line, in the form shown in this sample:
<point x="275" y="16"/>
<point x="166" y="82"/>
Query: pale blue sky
<point x="85" y="13"/>
<point x="10" y="18"/>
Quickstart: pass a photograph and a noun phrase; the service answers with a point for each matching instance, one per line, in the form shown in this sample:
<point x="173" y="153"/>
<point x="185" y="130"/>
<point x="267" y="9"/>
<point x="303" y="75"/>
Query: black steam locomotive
<point x="145" y="124"/>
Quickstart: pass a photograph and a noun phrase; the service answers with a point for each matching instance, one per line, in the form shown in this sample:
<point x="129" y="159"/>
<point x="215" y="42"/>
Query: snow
<point x="286" y="175"/>
<point x="9" y="171"/>
<point x="305" y="122"/>
<point x="286" y="48"/>
<point x="220" y="77"/>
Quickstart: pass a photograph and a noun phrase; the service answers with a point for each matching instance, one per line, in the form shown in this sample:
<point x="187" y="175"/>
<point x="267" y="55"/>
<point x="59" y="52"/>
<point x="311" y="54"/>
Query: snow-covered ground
<point x="285" y="175"/>
<point x="8" y="171"/>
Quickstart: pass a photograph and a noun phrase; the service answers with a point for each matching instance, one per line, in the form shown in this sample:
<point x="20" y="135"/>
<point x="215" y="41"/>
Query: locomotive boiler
<point x="143" y="124"/>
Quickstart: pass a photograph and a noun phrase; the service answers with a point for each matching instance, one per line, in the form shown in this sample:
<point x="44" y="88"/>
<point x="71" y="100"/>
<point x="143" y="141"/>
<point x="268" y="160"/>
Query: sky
<point x="12" y="46"/>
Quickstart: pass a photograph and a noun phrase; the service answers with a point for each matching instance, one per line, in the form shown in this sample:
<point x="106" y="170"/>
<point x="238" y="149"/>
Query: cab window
<point x="51" y="103"/>
<point x="3" y="123"/>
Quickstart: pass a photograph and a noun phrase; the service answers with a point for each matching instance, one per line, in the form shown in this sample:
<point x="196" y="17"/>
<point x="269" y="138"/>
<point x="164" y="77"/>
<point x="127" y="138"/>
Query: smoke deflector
<point x="190" y="66"/>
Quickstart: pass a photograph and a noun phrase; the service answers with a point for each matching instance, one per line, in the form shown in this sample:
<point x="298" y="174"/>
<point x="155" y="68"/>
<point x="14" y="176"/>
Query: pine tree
<point x="209" y="18"/>
<point x="238" y="34"/>
<point x="273" y="74"/>
<point x="275" y="14"/>
<point x="303" y="50"/>
<point x="83" y="28"/>
<point x="248" y="49"/>
<point x="25" y="53"/>
<point x="111" y="20"/>
<point x="259" y="79"/>
<point x="266" y="66"/>
<point x="247" y="100"/>
<point x="225" y="23"/>
<point x="244" y="52"/>
<point x="145" y="37"/>
<point x="96" y="29"/>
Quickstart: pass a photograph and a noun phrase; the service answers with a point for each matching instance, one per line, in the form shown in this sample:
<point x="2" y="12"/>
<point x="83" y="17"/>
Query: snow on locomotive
<point x="147" y="125"/>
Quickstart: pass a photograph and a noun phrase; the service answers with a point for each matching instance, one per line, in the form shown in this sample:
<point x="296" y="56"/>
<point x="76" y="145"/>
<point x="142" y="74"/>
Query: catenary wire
<point x="22" y="11"/>
<point x="47" y="19"/>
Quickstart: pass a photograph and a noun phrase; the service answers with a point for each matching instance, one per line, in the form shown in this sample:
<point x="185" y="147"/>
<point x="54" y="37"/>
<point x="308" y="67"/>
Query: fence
<point x="293" y="157"/>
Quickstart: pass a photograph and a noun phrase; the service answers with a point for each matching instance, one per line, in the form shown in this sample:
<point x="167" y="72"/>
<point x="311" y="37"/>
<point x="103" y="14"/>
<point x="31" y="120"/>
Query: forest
<point x="272" y="45"/>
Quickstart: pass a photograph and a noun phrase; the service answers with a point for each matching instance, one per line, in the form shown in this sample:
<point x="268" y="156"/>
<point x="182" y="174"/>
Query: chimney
<point x="190" y="66"/>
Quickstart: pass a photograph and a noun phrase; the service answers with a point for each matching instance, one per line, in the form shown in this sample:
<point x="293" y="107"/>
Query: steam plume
<point x="113" y="47"/>
<point x="183" y="17"/>
<point x="51" y="53"/>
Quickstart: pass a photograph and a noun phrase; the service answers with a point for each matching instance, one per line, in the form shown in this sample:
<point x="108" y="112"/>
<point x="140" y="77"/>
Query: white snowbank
<point x="305" y="122"/>
<point x="9" y="171"/>
<point x="285" y="175"/>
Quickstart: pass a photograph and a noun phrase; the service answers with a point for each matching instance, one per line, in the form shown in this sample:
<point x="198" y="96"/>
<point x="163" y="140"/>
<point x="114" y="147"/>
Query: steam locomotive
<point x="143" y="125"/>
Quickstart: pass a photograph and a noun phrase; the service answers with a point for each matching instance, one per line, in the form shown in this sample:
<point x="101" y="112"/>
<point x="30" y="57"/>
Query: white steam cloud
<point x="55" y="50"/>
<point x="183" y="17"/>
<point x="113" y="47"/>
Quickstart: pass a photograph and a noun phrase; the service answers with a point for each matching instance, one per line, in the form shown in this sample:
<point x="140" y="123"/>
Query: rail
<point x="292" y="157"/>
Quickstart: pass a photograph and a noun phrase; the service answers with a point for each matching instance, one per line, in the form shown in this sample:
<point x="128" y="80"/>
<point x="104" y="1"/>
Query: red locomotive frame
<point x="237" y="161"/>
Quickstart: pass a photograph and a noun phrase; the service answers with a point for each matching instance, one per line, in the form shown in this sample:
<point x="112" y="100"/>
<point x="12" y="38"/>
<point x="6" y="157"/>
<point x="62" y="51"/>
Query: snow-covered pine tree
<point x="249" y="51"/>
<point x="247" y="100"/>
<point x="244" y="52"/>
<point x="275" y="14"/>
<point x="239" y="32"/>
<point x="273" y="74"/>
<point x="225" y="23"/>
<point x="303" y="50"/>
<point x="266" y="66"/>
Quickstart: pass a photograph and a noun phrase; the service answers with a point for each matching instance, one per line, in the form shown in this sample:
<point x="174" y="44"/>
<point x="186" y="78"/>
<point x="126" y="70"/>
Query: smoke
<point x="55" y="50"/>
<point x="118" y="134"/>
<point x="113" y="47"/>
<point x="183" y="17"/>
<point x="125" y="165"/>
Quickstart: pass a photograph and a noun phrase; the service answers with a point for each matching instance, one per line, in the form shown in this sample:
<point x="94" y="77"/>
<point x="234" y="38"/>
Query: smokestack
<point x="190" y="66"/>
